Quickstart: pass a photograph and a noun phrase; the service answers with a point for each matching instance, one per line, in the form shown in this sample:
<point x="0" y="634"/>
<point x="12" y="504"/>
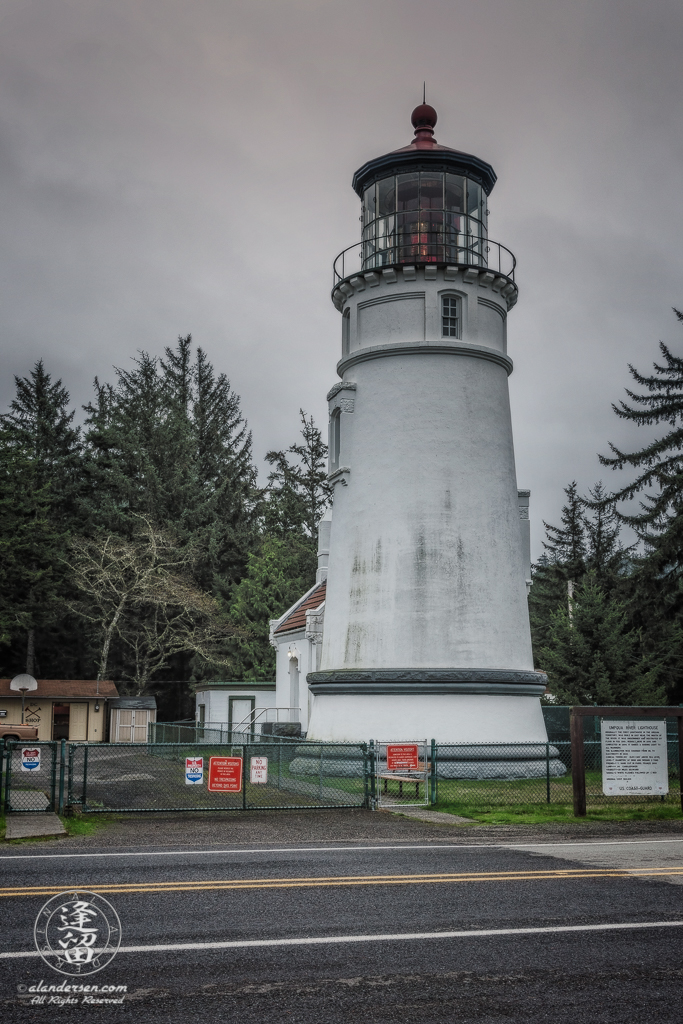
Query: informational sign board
<point x="259" y="771"/>
<point x="30" y="759"/>
<point x="225" y="774"/>
<point x="402" y="756"/>
<point x="194" y="771"/>
<point x="634" y="758"/>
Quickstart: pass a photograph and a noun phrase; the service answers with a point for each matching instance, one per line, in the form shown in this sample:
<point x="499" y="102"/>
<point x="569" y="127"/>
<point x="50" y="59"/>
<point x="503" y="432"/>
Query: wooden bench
<point x="386" y="777"/>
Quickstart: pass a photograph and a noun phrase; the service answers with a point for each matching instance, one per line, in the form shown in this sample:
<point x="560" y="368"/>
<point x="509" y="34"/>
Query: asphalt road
<point x="315" y="933"/>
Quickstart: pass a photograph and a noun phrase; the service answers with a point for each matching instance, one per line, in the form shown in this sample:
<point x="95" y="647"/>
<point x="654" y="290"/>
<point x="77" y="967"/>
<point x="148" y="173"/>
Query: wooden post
<point x="578" y="769"/>
<point x="679" y="722"/>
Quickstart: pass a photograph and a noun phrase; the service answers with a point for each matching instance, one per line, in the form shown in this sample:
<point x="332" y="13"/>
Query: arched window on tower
<point x="346" y="331"/>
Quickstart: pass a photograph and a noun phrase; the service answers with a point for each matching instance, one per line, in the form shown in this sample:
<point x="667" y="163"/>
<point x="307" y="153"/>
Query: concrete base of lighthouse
<point x="449" y="706"/>
<point x="494" y="735"/>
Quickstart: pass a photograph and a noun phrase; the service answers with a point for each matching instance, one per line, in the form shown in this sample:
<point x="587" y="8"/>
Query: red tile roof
<point x="297" y="618"/>
<point x="64" y="688"/>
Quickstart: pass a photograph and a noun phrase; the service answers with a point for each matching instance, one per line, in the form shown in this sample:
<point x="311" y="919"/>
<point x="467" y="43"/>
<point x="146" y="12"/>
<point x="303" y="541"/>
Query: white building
<point x="426" y="629"/>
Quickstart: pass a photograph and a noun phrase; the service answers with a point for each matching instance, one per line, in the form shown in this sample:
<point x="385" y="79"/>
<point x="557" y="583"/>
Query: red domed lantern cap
<point x="423" y="116"/>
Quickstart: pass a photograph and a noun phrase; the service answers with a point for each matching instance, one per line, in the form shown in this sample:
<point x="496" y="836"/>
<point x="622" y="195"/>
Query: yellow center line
<point x="343" y="880"/>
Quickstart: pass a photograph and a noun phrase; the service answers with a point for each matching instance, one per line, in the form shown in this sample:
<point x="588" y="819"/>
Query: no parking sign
<point x="30" y="759"/>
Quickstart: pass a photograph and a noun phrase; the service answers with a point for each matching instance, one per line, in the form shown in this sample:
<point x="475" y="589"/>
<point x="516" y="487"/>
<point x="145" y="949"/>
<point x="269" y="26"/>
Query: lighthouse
<point x="426" y="625"/>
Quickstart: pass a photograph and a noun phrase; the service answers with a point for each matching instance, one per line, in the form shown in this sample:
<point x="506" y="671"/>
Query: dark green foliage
<point x="278" y="574"/>
<point x="298" y="491"/>
<point x="593" y="656"/>
<point x="655" y="586"/>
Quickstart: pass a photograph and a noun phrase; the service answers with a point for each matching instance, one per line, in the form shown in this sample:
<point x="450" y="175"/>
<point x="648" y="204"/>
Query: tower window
<point x="450" y="319"/>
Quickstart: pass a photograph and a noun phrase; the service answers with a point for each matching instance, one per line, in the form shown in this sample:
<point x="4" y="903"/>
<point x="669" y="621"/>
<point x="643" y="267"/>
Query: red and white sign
<point x="30" y="759"/>
<point x="194" y="771"/>
<point x="259" y="771"/>
<point x="402" y="755"/>
<point x="225" y="774"/>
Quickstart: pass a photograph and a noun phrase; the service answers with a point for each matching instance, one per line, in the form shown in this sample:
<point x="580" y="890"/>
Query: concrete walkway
<point x="438" y="817"/>
<point x="24" y="826"/>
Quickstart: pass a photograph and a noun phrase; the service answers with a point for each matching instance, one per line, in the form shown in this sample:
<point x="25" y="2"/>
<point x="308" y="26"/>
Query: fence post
<point x="679" y="720"/>
<point x="53" y="783"/>
<point x="432" y="776"/>
<point x="547" y="772"/>
<point x="279" y="765"/>
<point x="373" y="778"/>
<point x="244" y="778"/>
<point x="320" y="776"/>
<point x="2" y="772"/>
<point x="62" y="765"/>
<point x="8" y="774"/>
<point x="578" y="766"/>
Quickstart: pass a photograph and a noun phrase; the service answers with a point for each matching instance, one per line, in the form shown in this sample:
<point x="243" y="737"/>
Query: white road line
<point x="332" y="849"/>
<point x="328" y="940"/>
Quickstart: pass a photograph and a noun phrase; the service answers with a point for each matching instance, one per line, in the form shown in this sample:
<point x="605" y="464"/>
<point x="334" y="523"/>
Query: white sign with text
<point x="259" y="770"/>
<point x="634" y="758"/>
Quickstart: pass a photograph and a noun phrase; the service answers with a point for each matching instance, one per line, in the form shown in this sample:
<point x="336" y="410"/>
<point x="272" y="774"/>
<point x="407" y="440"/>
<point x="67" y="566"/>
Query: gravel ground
<point x="349" y="826"/>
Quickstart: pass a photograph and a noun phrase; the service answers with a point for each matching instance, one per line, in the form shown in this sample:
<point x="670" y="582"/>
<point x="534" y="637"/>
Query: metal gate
<point x="275" y="775"/>
<point x="404" y="773"/>
<point x="30" y="776"/>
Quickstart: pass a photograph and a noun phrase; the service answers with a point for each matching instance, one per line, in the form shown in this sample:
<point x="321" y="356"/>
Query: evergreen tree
<point x="560" y="568"/>
<point x="298" y="491"/>
<point x="592" y="656"/>
<point x="655" y="586"/>
<point x="278" y="574"/>
<point x="41" y="463"/>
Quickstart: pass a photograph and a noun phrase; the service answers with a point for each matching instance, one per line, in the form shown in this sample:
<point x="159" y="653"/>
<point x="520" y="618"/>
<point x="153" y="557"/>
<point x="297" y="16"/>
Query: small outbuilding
<point x="62" y="709"/>
<point x="235" y="706"/>
<point x="130" y="718"/>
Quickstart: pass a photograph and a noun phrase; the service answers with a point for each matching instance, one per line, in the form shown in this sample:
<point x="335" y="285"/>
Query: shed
<point x="130" y="717"/>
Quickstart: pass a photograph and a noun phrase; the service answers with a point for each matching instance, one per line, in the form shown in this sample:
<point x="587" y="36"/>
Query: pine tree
<point x="298" y="491"/>
<point x="560" y="568"/>
<point x="655" y="586"/>
<point x="278" y="574"/>
<point x="592" y="656"/>
<point x="42" y="468"/>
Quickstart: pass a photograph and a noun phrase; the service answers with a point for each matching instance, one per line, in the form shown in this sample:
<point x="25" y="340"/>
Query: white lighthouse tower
<point x="426" y="629"/>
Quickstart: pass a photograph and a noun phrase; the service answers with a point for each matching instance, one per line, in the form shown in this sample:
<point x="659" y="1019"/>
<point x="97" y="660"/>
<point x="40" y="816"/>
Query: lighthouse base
<point x="452" y="718"/>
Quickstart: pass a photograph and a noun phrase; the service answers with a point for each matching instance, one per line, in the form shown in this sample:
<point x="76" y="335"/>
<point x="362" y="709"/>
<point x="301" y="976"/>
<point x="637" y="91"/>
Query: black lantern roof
<point x="425" y="154"/>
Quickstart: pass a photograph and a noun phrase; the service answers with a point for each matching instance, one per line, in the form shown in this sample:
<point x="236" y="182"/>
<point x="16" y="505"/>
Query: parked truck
<point x="9" y="731"/>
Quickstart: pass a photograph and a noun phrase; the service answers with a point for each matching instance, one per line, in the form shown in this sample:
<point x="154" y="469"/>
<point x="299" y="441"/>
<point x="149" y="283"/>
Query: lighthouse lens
<point x="431" y="192"/>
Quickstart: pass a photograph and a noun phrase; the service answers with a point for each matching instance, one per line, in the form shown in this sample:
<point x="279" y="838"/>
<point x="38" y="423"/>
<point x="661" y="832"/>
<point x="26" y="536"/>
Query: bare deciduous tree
<point x="142" y="591"/>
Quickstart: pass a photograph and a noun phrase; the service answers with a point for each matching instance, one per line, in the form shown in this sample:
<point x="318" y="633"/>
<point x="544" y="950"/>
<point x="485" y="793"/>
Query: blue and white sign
<point x="194" y="771"/>
<point x="30" y="759"/>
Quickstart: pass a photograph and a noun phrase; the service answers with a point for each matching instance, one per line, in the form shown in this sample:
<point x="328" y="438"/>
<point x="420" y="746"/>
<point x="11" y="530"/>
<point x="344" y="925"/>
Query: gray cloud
<point x="168" y="166"/>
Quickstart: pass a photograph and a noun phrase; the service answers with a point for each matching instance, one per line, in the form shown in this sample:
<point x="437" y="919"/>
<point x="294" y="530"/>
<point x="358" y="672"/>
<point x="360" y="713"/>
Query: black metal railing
<point x="424" y="248"/>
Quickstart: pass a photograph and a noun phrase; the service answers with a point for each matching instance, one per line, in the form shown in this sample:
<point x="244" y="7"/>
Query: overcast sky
<point x="174" y="166"/>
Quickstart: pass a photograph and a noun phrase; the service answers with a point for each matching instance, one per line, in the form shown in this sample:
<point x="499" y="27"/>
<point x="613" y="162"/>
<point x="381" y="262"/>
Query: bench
<point x="386" y="776"/>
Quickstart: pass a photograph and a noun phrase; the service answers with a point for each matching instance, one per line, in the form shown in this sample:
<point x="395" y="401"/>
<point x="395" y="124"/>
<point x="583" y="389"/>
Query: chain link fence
<point x="152" y="776"/>
<point x="29" y="776"/>
<point x="291" y="774"/>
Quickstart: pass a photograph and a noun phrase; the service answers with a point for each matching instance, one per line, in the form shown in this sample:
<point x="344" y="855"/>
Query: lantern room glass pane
<point x="454" y="197"/>
<point x="431" y="191"/>
<point x="386" y="198"/>
<point x="407" y="186"/>
<point x="369" y="205"/>
<point x="474" y="198"/>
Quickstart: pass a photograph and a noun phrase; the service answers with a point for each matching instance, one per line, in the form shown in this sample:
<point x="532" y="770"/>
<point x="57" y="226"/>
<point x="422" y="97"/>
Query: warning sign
<point x="30" y="759"/>
<point x="634" y="758"/>
<point x="402" y="755"/>
<point x="225" y="774"/>
<point x="259" y="771"/>
<point x="194" y="771"/>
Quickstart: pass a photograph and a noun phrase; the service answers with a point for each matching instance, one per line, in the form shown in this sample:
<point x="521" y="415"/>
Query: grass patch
<point x="85" y="824"/>
<point x="534" y="814"/>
